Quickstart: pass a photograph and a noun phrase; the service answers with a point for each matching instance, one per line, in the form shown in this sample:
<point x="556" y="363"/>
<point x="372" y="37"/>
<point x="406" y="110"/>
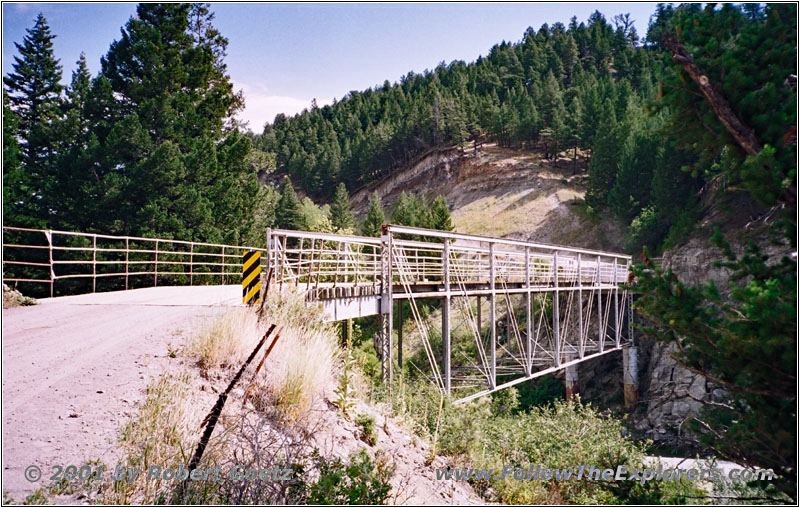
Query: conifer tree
<point x="182" y="171"/>
<point x="375" y="217"/>
<point x="605" y="157"/>
<point x="34" y="90"/>
<point x="15" y="188"/>
<point x="340" y="215"/>
<point x="288" y="214"/>
<point x="440" y="215"/>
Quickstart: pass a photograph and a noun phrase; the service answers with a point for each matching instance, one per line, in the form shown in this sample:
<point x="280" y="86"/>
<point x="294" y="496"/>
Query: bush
<point x="647" y="229"/>
<point x="505" y="402"/>
<point x="368" y="432"/>
<point x="361" y="481"/>
<point x="13" y="298"/>
<point x="488" y="433"/>
<point x="540" y="391"/>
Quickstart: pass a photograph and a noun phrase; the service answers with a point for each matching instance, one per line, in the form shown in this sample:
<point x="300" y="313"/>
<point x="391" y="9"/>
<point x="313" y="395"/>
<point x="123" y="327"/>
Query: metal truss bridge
<point x="510" y="310"/>
<point x="549" y="307"/>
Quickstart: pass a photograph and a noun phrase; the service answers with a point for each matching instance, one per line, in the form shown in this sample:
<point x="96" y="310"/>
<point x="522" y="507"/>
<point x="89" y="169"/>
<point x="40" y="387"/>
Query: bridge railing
<point x="477" y="260"/>
<point x="320" y="260"/>
<point x="314" y="260"/>
<point x="87" y="262"/>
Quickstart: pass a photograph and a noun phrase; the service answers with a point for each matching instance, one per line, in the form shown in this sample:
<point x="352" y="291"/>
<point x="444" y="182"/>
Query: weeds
<point x="368" y="432"/>
<point x="225" y="340"/>
<point x="306" y="362"/>
<point x="163" y="434"/>
<point x="344" y="391"/>
<point x="362" y="481"/>
<point x="13" y="298"/>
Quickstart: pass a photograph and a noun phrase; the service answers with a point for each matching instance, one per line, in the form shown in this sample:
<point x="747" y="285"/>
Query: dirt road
<point x="74" y="368"/>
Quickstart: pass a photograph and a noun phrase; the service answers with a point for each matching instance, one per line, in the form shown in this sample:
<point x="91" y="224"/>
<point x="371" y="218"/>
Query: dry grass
<point x="163" y="433"/>
<point x="13" y="298"/>
<point x="226" y="339"/>
<point x="308" y="360"/>
<point x="302" y="366"/>
<point x="299" y="373"/>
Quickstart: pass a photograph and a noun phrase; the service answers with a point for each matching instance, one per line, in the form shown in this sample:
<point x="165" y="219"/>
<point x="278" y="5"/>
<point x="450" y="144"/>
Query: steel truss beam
<point x="573" y="304"/>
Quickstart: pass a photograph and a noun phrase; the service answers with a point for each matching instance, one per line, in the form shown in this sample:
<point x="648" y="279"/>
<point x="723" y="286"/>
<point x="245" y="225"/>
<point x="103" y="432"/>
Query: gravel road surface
<point x="74" y="368"/>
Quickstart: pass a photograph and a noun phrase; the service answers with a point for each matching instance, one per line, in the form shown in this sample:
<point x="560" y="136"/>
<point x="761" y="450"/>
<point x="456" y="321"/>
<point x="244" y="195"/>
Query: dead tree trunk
<point x="743" y="134"/>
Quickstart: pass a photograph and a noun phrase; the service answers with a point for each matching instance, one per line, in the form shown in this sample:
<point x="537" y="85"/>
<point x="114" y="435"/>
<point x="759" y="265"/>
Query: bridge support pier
<point x="571" y="381"/>
<point x="630" y="376"/>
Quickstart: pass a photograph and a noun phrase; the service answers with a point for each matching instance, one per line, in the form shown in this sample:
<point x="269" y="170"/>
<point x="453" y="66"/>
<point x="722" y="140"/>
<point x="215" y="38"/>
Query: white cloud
<point x="23" y="8"/>
<point x="261" y="106"/>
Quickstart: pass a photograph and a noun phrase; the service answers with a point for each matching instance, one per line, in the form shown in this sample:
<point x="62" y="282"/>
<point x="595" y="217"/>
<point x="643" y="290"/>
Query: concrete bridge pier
<point x="571" y="381"/>
<point x="630" y="375"/>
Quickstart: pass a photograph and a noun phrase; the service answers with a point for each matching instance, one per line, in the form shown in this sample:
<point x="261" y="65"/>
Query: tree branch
<point x="743" y="134"/>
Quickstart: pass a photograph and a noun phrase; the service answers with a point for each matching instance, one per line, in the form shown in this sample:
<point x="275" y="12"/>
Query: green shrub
<point x="540" y="391"/>
<point x="647" y="229"/>
<point x="505" y="402"/>
<point x="368" y="431"/>
<point x="489" y="433"/>
<point x="360" y="481"/>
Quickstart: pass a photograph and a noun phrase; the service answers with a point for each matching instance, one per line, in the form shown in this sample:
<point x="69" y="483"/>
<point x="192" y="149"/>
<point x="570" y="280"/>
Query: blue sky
<point x="283" y="55"/>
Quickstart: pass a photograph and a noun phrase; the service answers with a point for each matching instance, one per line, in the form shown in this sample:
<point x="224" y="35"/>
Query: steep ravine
<point x="515" y="194"/>
<point x="505" y="193"/>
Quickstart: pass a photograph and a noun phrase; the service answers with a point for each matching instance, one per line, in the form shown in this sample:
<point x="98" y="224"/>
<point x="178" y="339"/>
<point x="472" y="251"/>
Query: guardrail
<point x="40" y="256"/>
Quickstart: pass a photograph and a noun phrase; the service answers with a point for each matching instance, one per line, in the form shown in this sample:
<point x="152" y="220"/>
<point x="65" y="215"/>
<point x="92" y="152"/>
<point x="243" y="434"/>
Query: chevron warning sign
<point x="251" y="277"/>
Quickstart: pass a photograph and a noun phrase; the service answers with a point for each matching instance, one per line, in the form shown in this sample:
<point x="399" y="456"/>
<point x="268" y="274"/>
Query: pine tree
<point x="182" y="171"/>
<point x="15" y="188"/>
<point x="375" y="217"/>
<point x="440" y="215"/>
<point x="340" y="215"/>
<point x="73" y="183"/>
<point x="35" y="95"/>
<point x="405" y="211"/>
<point x="287" y="212"/>
<point x="744" y="340"/>
<point x="605" y="157"/>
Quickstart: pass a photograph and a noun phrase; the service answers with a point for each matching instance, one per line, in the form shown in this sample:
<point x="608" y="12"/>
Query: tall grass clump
<point x="305" y="359"/>
<point x="226" y="339"/>
<point x="163" y="433"/>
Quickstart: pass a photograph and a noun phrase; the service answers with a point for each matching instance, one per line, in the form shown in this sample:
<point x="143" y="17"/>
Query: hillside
<point x="504" y="192"/>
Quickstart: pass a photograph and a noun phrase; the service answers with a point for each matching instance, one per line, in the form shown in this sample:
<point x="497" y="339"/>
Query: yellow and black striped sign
<point x="251" y="277"/>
